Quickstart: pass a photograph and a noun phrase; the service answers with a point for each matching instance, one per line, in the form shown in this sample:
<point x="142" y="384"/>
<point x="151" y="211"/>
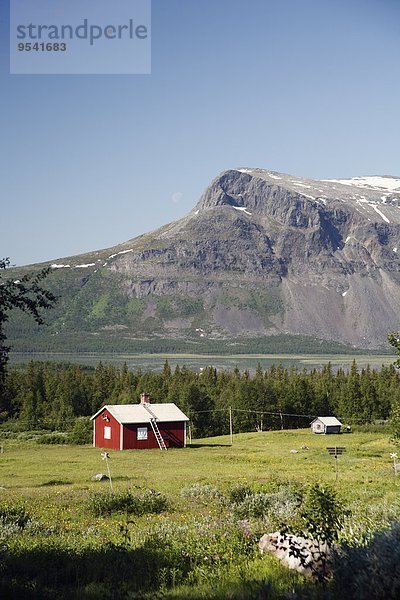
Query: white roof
<point x="137" y="413"/>
<point x="328" y="421"/>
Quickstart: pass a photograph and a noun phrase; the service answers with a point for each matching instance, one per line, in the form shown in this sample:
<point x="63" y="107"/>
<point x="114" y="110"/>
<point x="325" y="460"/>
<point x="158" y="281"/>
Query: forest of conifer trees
<point x="50" y="396"/>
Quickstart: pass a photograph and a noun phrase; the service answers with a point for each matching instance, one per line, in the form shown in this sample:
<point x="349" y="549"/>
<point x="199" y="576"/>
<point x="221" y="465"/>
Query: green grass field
<point x="26" y="467"/>
<point x="53" y="485"/>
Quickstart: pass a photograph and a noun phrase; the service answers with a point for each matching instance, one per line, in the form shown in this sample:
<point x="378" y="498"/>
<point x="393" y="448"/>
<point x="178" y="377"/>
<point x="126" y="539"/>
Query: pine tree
<point x="25" y="294"/>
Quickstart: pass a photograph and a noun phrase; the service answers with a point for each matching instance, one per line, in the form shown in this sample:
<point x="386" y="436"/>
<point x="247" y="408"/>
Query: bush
<point x="255" y="505"/>
<point x="370" y="572"/>
<point x="322" y="513"/>
<point x="14" y="516"/>
<point x="82" y="432"/>
<point x="106" y="503"/>
<point x="201" y="491"/>
<point x="35" y="434"/>
<point x="238" y="493"/>
<point x="57" y="437"/>
<point x="395" y="420"/>
<point x="7" y="435"/>
<point x="275" y="507"/>
<point x="375" y="427"/>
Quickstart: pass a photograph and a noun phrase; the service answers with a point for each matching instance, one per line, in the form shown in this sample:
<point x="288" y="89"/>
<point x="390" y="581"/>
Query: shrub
<point x="322" y="513"/>
<point x="106" y="503"/>
<point x="238" y="493"/>
<point x="276" y="507"/>
<point x="375" y="427"/>
<point x="395" y="420"/>
<point x="57" y="437"/>
<point x="14" y="515"/>
<point x="370" y="572"/>
<point x="255" y="505"/>
<point x="82" y="432"/>
<point x="201" y="491"/>
<point x="32" y="435"/>
<point x="7" y="435"/>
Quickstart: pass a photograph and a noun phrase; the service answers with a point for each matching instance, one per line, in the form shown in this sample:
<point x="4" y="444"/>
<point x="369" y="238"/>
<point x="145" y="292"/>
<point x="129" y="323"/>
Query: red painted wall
<point x="173" y="434"/>
<point x="100" y="423"/>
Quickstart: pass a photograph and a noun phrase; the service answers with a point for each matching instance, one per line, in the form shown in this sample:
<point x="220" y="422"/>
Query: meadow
<point x="203" y="509"/>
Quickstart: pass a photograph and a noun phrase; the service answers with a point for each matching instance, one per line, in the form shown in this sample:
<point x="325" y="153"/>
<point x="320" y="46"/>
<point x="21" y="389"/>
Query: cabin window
<point x="107" y="433"/>
<point x="142" y="433"/>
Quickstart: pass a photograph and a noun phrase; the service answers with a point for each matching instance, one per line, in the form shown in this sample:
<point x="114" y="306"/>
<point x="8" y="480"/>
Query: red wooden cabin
<point x="135" y="426"/>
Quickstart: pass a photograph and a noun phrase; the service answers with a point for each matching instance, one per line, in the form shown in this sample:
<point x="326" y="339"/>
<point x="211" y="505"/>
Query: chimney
<point x="144" y="398"/>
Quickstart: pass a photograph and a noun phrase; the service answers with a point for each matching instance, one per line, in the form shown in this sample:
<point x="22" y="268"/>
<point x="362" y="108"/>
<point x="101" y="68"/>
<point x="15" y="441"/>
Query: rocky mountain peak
<point x="377" y="198"/>
<point x="261" y="254"/>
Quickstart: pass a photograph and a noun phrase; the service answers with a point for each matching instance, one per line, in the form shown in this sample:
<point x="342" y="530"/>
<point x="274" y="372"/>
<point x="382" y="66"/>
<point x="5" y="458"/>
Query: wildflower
<point x="245" y="527"/>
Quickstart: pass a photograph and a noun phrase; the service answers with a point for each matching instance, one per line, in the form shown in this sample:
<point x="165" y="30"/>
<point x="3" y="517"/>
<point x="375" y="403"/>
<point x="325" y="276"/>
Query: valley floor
<point x="155" y="362"/>
<point x="59" y="540"/>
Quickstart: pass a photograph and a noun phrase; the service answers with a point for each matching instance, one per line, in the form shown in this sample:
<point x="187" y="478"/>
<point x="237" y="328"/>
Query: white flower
<point x="393" y="455"/>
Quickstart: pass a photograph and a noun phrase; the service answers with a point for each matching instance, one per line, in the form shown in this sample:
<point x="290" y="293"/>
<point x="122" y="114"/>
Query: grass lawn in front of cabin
<point x="53" y="484"/>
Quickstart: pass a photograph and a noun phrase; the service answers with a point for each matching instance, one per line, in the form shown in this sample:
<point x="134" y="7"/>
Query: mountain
<point x="262" y="257"/>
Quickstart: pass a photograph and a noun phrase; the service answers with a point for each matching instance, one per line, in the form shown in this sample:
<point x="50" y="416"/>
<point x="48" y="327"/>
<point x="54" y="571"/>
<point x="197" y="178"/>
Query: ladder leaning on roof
<point x="154" y="426"/>
<point x="157" y="433"/>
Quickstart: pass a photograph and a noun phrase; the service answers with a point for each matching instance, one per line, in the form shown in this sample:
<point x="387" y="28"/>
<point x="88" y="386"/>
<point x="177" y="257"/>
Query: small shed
<point x="326" y="425"/>
<point x="139" y="426"/>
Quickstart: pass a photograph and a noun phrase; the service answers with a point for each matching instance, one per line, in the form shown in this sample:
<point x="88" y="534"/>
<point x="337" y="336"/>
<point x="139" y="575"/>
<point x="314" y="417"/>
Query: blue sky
<point x="307" y="87"/>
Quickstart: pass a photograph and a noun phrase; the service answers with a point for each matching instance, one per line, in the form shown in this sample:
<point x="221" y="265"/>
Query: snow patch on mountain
<point x="376" y="209"/>
<point x="242" y="209"/>
<point x="376" y="183"/>
<point x="85" y="266"/>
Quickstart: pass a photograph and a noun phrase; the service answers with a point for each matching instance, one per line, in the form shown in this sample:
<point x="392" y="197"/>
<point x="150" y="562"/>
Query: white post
<point x="230" y="425"/>
<point x="395" y="465"/>
<point x="109" y="474"/>
<point x="337" y="464"/>
<point x="105" y="456"/>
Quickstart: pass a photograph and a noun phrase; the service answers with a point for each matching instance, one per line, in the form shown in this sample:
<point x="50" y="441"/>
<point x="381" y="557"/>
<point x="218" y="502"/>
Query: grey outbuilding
<point x="326" y="425"/>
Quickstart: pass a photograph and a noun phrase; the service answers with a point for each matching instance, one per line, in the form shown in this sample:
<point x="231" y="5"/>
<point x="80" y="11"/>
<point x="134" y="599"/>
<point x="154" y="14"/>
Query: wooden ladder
<point x="156" y="431"/>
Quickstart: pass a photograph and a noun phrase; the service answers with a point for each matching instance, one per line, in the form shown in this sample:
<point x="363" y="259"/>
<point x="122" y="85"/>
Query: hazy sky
<point x="307" y="87"/>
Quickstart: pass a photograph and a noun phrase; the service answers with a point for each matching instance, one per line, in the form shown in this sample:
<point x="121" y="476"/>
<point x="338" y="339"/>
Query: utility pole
<point x="230" y="425"/>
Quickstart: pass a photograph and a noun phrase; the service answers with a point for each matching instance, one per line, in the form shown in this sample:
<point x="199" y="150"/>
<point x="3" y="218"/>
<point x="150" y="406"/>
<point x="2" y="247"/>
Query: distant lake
<point x="196" y="362"/>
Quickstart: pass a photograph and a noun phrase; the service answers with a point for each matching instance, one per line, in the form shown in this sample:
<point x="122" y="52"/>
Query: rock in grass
<point x="99" y="477"/>
<point x="309" y="557"/>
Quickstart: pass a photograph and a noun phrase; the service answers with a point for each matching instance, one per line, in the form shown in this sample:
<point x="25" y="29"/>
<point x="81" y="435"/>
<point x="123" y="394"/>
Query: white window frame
<point x="107" y="432"/>
<point x="142" y="433"/>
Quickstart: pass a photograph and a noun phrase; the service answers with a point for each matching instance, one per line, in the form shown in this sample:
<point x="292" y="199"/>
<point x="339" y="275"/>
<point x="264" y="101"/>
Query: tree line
<point x="51" y="396"/>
